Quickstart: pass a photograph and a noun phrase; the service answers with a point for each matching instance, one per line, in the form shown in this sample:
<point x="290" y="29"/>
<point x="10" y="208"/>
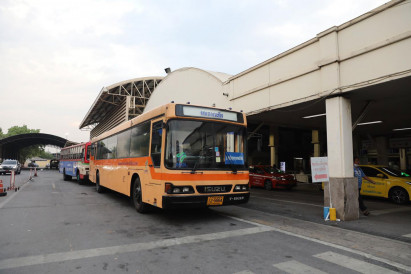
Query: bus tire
<point x="99" y="188"/>
<point x="65" y="177"/>
<point x="137" y="195"/>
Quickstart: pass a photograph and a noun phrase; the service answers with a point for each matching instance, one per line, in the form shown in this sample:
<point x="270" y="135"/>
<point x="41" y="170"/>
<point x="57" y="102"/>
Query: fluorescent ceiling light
<point x="398" y="129"/>
<point x="313" y="116"/>
<point x="369" y="123"/>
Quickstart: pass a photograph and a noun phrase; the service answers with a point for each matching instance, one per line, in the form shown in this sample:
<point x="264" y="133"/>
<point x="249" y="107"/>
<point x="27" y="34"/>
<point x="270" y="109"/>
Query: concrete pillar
<point x="403" y="159"/>
<point x="315" y="140"/>
<point x="342" y="190"/>
<point x="273" y="143"/>
<point x="382" y="150"/>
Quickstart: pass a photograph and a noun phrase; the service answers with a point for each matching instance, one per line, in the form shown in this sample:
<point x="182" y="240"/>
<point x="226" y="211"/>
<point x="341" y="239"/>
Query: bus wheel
<point x="65" y="177"/>
<point x="137" y="194"/>
<point x="99" y="188"/>
<point x="268" y="185"/>
<point x="79" y="180"/>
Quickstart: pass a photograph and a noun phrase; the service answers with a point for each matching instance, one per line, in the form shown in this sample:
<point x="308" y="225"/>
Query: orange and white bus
<point x="175" y="155"/>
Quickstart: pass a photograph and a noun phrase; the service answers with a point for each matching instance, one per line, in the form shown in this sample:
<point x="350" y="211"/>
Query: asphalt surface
<point x="53" y="226"/>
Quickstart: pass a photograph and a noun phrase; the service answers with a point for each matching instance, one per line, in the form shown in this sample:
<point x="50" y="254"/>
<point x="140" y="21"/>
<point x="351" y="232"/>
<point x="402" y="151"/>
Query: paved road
<point x="53" y="226"/>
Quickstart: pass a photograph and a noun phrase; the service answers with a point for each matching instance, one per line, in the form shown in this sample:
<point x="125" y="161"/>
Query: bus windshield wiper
<point x="193" y="171"/>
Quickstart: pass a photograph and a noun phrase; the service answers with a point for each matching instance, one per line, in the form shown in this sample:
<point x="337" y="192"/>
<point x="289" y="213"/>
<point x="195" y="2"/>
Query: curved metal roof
<point x="113" y="96"/>
<point x="29" y="139"/>
<point x="10" y="146"/>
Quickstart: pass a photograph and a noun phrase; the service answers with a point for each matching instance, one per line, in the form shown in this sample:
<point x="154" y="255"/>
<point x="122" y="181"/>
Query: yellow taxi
<point x="389" y="183"/>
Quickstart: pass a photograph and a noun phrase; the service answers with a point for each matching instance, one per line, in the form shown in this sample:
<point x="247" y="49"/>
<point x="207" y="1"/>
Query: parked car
<point x="9" y="165"/>
<point x="389" y="183"/>
<point x="54" y="164"/>
<point x="269" y="178"/>
<point x="33" y="164"/>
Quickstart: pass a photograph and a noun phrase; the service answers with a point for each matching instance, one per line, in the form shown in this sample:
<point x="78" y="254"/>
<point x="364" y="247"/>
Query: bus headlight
<point x="239" y="188"/>
<point x="172" y="189"/>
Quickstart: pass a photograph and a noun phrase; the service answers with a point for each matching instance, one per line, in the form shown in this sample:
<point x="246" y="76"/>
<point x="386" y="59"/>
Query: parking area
<point x="304" y="202"/>
<point x="52" y="225"/>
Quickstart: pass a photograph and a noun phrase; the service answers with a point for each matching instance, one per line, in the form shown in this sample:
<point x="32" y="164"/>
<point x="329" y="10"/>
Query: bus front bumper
<point x="203" y="200"/>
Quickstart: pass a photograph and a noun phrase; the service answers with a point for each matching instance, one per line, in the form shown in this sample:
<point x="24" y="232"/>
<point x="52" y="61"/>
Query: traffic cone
<point x="35" y="172"/>
<point x="2" y="190"/>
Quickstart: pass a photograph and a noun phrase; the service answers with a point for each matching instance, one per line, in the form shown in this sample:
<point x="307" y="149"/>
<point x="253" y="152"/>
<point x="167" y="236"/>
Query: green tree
<point x="20" y="130"/>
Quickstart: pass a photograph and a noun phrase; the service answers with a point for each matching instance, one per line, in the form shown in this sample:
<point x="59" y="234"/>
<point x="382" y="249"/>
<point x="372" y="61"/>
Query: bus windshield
<point x="194" y="145"/>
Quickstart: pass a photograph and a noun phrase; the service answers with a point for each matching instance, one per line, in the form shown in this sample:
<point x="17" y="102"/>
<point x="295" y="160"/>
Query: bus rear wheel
<point x="137" y="195"/>
<point x="99" y="188"/>
<point x="65" y="176"/>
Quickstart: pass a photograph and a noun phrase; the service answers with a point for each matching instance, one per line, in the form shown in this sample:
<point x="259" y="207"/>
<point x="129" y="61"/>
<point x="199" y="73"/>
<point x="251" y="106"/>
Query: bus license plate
<point x="215" y="200"/>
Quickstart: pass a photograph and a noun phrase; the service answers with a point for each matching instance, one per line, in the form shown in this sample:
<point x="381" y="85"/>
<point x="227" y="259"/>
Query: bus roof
<point x="77" y="145"/>
<point x="154" y="113"/>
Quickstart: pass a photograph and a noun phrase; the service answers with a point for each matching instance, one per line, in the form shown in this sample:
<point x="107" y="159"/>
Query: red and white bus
<point x="74" y="162"/>
<point x="176" y="154"/>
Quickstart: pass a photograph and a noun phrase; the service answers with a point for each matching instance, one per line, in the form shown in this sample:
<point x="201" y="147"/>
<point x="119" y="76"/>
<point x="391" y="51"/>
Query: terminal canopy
<point x="118" y="103"/>
<point x="10" y="146"/>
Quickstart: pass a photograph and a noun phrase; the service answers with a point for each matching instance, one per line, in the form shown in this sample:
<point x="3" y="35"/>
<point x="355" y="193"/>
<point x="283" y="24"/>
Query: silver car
<point x="9" y="165"/>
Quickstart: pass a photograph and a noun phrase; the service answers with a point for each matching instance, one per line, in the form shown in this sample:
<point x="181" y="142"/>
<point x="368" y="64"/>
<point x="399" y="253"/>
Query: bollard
<point x="333" y="214"/>
<point x="326" y="213"/>
<point x="2" y="190"/>
<point x="31" y="170"/>
<point x="12" y="180"/>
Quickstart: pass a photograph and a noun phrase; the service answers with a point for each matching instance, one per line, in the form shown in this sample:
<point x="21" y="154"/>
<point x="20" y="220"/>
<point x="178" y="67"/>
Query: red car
<point x="269" y="178"/>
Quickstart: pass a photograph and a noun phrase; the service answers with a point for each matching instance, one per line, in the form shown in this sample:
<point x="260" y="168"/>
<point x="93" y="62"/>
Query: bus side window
<point x="156" y="133"/>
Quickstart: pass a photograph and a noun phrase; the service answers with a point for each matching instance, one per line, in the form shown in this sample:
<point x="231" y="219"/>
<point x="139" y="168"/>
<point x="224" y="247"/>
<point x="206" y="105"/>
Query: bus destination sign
<point x="209" y="113"/>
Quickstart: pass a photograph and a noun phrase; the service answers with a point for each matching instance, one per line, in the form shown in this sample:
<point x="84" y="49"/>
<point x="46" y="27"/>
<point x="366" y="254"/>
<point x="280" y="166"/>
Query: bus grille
<point x="214" y="189"/>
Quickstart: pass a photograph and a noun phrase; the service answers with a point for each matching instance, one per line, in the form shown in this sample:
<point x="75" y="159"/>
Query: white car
<point x="9" y="165"/>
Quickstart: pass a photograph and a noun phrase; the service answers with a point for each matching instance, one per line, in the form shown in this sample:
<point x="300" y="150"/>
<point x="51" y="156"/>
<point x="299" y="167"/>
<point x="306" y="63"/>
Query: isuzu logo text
<point x="215" y="189"/>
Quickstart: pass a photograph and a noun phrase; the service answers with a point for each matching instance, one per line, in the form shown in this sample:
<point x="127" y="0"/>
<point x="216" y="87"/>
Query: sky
<point x="56" y="56"/>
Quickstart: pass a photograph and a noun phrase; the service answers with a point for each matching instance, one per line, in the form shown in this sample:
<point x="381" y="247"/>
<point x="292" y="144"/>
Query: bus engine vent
<point x="214" y="189"/>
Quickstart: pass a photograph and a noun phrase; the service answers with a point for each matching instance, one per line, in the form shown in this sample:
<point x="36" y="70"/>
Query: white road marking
<point x="353" y="264"/>
<point x="407" y="235"/>
<point x="96" y="252"/>
<point x="360" y="253"/>
<point x="244" y="272"/>
<point x="297" y="267"/>
<point x="392" y="210"/>
<point x="54" y="186"/>
<point x="285" y="201"/>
